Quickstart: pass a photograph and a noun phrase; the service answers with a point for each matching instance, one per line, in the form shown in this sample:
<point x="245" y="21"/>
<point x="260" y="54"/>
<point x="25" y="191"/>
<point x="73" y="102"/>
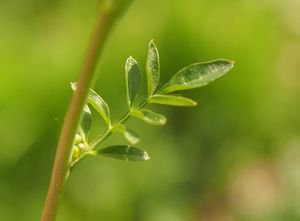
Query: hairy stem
<point x="61" y="165"/>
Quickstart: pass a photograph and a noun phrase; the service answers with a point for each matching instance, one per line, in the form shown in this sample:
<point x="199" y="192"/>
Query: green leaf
<point x="97" y="102"/>
<point x="131" y="136"/>
<point x="123" y="152"/>
<point x="86" y="119"/>
<point x="197" y="75"/>
<point x="172" y="100"/>
<point x="100" y="106"/>
<point x="150" y="117"/>
<point x="133" y="78"/>
<point x="152" y="67"/>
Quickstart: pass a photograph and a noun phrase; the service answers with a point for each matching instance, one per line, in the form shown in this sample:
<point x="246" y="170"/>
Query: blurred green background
<point x="233" y="157"/>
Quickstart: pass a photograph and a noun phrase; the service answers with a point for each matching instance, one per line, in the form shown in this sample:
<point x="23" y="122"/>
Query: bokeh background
<point x="235" y="157"/>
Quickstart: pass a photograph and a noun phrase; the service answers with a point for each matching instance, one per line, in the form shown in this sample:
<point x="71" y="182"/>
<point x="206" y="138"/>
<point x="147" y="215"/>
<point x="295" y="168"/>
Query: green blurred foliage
<point x="234" y="157"/>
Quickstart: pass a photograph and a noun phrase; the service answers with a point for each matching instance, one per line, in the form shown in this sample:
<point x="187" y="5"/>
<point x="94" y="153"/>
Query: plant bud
<point x="81" y="146"/>
<point x="76" y="152"/>
<point x="78" y="139"/>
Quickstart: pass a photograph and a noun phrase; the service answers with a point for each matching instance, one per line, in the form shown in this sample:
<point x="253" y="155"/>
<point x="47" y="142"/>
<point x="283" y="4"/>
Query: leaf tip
<point x="231" y="63"/>
<point x="146" y="156"/>
<point x="151" y="42"/>
<point x="163" y="120"/>
<point x="194" y="104"/>
<point x="130" y="58"/>
<point x="130" y="62"/>
<point x="153" y="46"/>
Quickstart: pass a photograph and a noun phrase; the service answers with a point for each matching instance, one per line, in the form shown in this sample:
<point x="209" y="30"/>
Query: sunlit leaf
<point x="123" y="152"/>
<point x="150" y="117"/>
<point x="97" y="102"/>
<point x="172" y="100"/>
<point x="99" y="105"/>
<point x="133" y="78"/>
<point x="152" y="68"/>
<point x="86" y="119"/>
<point x="130" y="135"/>
<point x="197" y="75"/>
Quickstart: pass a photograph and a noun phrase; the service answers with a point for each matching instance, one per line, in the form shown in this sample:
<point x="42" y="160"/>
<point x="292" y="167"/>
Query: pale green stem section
<point x="61" y="165"/>
<point x="109" y="131"/>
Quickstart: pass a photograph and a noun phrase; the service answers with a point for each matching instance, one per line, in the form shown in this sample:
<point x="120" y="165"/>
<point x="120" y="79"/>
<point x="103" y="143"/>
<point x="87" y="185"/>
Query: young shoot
<point x="190" y="77"/>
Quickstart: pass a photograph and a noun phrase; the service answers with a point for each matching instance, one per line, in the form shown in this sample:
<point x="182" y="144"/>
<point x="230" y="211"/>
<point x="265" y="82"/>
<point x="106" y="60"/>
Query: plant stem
<point x="108" y="132"/>
<point x="123" y="119"/>
<point x="61" y="165"/>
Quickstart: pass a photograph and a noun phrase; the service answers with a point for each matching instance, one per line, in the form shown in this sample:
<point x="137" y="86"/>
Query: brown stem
<point x="64" y="148"/>
<point x="61" y="165"/>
